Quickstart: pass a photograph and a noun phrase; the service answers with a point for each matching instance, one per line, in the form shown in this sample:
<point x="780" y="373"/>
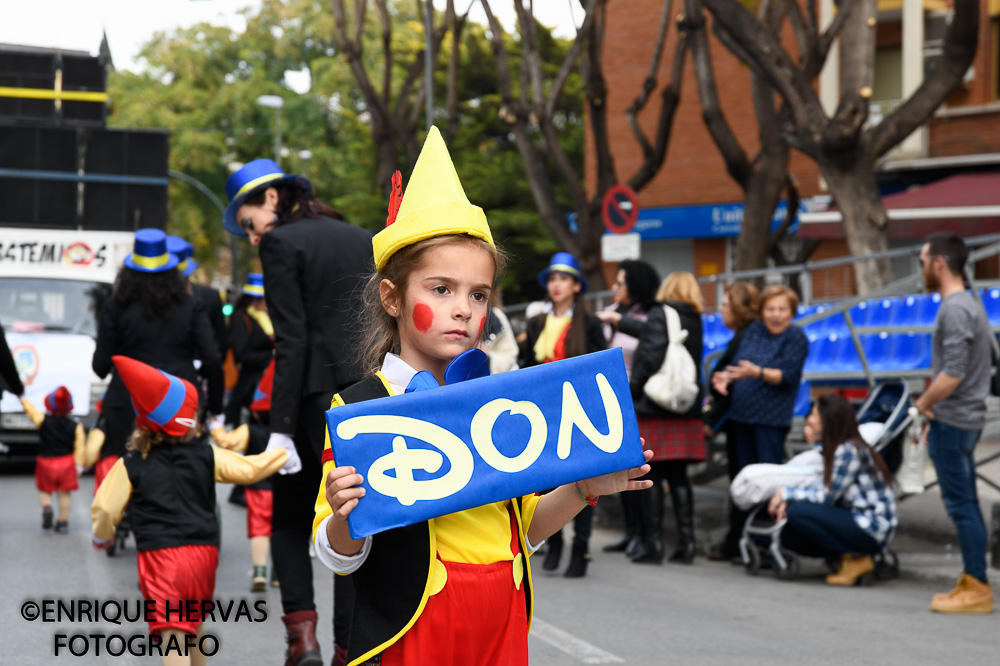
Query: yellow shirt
<point x="545" y="346"/>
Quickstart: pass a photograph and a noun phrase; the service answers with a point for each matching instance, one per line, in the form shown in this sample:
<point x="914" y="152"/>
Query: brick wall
<point x="965" y="134"/>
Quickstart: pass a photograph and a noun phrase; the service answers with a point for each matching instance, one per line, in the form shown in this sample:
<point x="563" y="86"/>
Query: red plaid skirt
<point x="673" y="439"/>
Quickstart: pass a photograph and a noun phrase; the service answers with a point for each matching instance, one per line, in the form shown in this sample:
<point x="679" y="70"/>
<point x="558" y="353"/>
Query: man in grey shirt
<point x="955" y="406"/>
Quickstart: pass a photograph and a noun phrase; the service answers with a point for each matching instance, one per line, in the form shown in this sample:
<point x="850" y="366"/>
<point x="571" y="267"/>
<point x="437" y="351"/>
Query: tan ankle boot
<point x="853" y="571"/>
<point x="969" y="596"/>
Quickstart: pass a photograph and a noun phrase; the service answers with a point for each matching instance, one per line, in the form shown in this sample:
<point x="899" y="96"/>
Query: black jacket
<point x="8" y="370"/>
<point x="252" y="352"/>
<point x="718" y="405"/>
<point x="170" y="343"/>
<point x="652" y="349"/>
<point x="594" y="336"/>
<point x="216" y="319"/>
<point x="313" y="271"/>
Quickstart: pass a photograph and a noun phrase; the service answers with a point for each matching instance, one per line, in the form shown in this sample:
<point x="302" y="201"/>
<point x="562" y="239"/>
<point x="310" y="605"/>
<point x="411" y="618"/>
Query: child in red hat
<point x="60" y="454"/>
<point x="251" y="438"/>
<point x="168" y="479"/>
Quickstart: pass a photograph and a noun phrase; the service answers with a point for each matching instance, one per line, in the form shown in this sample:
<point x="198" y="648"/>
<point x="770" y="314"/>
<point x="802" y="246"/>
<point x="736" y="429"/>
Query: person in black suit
<point x="314" y="265"/>
<point x="152" y="318"/>
<point x="8" y="369"/>
<point x="253" y="346"/>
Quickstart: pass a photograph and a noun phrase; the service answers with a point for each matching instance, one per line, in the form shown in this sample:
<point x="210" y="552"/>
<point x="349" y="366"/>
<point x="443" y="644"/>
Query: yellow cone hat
<point x="434" y="205"/>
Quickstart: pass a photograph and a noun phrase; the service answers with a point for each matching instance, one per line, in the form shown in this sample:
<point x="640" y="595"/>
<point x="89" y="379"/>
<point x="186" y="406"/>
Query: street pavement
<point x="707" y="613"/>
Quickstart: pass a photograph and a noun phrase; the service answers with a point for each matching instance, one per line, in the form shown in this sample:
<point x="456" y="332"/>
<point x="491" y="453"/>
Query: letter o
<point x="215" y="645"/>
<point x="120" y="639"/>
<point x="72" y="644"/>
<point x="482" y="434"/>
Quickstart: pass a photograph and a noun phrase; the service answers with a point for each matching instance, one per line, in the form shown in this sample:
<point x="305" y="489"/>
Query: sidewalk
<point x="925" y="539"/>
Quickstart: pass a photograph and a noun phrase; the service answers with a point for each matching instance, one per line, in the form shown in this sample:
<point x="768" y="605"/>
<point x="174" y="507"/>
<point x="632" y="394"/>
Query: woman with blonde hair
<point x="676" y="439"/>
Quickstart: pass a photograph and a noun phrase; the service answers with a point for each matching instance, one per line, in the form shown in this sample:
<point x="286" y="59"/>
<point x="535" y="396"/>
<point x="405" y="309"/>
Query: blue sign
<point x="430" y="453"/>
<point x="711" y="221"/>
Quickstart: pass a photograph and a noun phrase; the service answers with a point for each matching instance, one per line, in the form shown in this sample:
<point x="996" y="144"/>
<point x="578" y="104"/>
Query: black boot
<point x="651" y="521"/>
<point x="628" y="543"/>
<point x="578" y="561"/>
<point x="683" y="499"/>
<point x="553" y="553"/>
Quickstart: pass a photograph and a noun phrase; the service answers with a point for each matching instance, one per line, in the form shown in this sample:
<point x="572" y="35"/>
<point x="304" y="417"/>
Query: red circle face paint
<point x="423" y="317"/>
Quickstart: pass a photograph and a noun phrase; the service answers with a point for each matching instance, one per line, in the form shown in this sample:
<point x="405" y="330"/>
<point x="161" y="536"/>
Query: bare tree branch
<point x="649" y="85"/>
<point x="569" y="62"/>
<point x="383" y="17"/>
<point x="959" y="50"/>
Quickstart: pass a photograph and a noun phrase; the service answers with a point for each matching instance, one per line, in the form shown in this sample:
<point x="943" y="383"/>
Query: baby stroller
<point x="887" y="405"/>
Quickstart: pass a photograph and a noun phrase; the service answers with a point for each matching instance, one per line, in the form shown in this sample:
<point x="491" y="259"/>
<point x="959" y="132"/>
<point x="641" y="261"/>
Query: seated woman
<point x="852" y="515"/>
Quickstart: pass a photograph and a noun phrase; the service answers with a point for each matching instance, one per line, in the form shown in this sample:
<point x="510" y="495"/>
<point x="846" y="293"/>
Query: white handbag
<point x="910" y="476"/>
<point x="674" y="386"/>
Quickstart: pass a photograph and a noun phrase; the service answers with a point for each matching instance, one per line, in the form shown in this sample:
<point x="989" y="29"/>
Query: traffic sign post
<point x="620" y="209"/>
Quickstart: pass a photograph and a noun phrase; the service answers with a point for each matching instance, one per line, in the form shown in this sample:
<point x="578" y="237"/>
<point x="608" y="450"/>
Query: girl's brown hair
<point x="683" y="287"/>
<point x="379" y="331"/>
<point x="840" y="426"/>
<point x="744" y="303"/>
<point x="143" y="440"/>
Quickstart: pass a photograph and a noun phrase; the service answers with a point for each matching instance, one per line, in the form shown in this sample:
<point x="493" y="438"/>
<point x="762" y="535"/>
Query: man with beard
<point x="955" y="407"/>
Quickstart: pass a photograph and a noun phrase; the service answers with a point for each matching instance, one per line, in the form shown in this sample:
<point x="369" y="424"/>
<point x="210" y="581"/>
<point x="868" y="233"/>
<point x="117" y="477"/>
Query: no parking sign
<point x="620" y="209"/>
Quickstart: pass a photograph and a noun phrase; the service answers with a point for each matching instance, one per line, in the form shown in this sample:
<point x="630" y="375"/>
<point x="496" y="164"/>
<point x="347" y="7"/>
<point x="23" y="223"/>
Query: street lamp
<point x="277" y="103"/>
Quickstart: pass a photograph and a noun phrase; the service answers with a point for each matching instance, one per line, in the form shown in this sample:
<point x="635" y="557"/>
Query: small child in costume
<point x="60" y="454"/>
<point x="456" y="589"/>
<point x="168" y="481"/>
<point x="252" y="438"/>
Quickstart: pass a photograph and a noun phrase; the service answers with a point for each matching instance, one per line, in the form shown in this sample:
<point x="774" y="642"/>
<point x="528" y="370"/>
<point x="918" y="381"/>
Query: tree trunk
<point x="866" y="224"/>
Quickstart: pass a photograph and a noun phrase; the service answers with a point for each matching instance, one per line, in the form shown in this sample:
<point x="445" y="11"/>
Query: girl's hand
<point x="342" y="491"/>
<point x="610" y="317"/>
<point x="777" y="507"/>
<point x="720" y="382"/>
<point x="616" y="482"/>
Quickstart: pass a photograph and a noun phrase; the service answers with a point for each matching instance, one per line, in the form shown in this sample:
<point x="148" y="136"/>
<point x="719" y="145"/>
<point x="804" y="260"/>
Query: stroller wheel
<point x="752" y="563"/>
<point x="886" y="566"/>
<point x="791" y="569"/>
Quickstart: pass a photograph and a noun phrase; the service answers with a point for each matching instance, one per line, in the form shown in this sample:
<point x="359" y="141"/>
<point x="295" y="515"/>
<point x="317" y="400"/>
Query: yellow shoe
<point x="853" y="571"/>
<point x="969" y="596"/>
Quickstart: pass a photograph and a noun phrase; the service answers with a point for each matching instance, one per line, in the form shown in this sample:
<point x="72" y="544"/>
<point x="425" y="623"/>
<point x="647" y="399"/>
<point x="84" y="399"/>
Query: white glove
<point x="280" y="441"/>
<point x="216" y="421"/>
<point x="80" y="469"/>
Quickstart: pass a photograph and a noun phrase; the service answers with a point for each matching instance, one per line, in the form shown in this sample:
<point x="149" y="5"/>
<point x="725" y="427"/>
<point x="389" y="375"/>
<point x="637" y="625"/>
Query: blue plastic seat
<point x="929" y="309"/>
<point x="824" y="353"/>
<point x="878" y="350"/>
<point x="907" y="312"/>
<point x="861" y="312"/>
<point x="882" y="311"/>
<point x="912" y="351"/>
<point x="847" y="358"/>
<point x="803" y="400"/>
<point x="991" y="299"/>
<point x="714" y="330"/>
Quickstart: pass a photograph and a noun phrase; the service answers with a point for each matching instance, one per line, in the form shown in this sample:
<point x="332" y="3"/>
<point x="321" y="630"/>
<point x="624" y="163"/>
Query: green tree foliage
<point x="201" y="83"/>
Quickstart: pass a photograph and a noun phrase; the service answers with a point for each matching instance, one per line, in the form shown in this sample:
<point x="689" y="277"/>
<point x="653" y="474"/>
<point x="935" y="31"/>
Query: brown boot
<point x="969" y="596"/>
<point x="339" y="656"/>
<point x="853" y="571"/>
<point x="300" y="633"/>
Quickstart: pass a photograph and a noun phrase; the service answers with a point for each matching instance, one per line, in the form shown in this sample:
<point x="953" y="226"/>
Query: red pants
<point x="478" y="619"/>
<point x="260" y="508"/>
<point x="172" y="577"/>
<point x="52" y="474"/>
<point x="101" y="470"/>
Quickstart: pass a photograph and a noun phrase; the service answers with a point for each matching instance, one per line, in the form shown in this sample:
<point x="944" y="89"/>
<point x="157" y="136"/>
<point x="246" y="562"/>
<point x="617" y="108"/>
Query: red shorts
<point x="101" y="470"/>
<point x="173" y="577"/>
<point x="52" y="474"/>
<point x="260" y="508"/>
<point x="481" y="615"/>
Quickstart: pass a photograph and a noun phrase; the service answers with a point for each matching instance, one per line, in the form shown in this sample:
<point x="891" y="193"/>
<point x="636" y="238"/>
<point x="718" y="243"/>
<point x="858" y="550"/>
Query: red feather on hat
<point x="395" y="198"/>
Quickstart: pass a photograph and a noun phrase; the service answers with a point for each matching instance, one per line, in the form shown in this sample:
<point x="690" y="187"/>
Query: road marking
<point x="571" y="645"/>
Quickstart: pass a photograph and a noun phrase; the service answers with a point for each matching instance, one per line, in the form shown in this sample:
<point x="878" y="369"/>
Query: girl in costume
<point x="168" y="481"/>
<point x="251" y="438"/>
<point x="60" y="454"/>
<point x="455" y="589"/>
<point x="564" y="329"/>
<point x="251" y="337"/>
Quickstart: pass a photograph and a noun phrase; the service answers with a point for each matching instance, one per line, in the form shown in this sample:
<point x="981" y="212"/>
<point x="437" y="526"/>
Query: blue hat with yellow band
<point x="183" y="250"/>
<point x="563" y="262"/>
<point x="251" y="178"/>
<point x="149" y="254"/>
<point x="254" y="285"/>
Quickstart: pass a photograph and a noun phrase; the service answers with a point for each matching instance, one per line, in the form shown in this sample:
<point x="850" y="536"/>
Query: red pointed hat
<point x="262" y="396"/>
<point x="59" y="401"/>
<point x="162" y="402"/>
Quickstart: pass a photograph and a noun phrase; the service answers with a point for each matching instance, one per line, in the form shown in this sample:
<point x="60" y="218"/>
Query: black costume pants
<point x="291" y="524"/>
